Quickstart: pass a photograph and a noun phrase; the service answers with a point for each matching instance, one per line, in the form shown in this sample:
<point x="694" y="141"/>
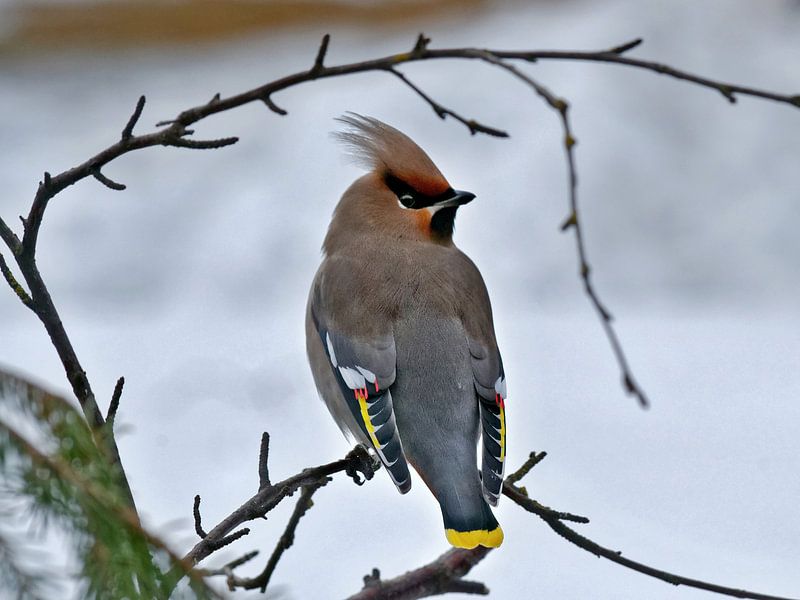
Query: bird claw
<point x="360" y="462"/>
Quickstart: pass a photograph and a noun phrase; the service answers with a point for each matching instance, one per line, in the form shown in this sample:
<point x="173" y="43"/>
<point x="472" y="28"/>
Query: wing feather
<point x="364" y="370"/>
<point x="490" y="383"/>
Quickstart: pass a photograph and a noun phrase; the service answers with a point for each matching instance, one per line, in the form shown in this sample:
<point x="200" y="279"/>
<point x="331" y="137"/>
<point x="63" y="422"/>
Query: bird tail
<point x="470" y="528"/>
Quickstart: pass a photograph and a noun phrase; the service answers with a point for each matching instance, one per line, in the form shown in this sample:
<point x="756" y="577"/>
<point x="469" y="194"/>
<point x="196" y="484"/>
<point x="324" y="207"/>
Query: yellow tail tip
<point x="476" y="537"/>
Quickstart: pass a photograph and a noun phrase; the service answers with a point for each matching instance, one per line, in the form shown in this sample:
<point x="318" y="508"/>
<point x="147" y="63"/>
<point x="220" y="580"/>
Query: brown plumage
<point x="383" y="149"/>
<point x="400" y="335"/>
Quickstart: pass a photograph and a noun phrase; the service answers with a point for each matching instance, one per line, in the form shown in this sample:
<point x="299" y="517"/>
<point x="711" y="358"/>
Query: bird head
<point x="404" y="194"/>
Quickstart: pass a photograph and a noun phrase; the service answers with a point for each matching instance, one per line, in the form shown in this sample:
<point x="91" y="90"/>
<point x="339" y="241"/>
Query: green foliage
<point x="52" y="464"/>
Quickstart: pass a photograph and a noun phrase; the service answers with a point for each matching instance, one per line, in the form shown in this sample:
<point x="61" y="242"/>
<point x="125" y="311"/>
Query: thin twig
<point x="728" y="90"/>
<point x="626" y="47"/>
<point x="14" y="284"/>
<point x="421" y="45"/>
<point x="323" y="50"/>
<point x="267" y="99"/>
<point x="202" y="144"/>
<point x="113" y="407"/>
<point x="304" y="504"/>
<point x="9" y="237"/>
<point x="109" y="183"/>
<point x="555" y="520"/>
<point x="229" y="539"/>
<point x="42" y="305"/>
<point x="442" y="111"/>
<point x="198" y="520"/>
<point x="560" y="105"/>
<point x="263" y="462"/>
<point x="201" y="533"/>
<point x="261" y="581"/>
<point x="520" y="497"/>
<point x="533" y="460"/>
<point x="357" y="461"/>
<point x="228" y="568"/>
<point x="615" y="556"/>
<point x="127" y="132"/>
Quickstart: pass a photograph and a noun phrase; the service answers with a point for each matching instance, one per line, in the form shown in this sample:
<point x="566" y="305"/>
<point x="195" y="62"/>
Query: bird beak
<point x="457" y="199"/>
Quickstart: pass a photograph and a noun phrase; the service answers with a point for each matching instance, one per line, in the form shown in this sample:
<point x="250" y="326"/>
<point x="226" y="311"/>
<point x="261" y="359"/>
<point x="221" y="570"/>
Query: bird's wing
<point x="364" y="367"/>
<point x="490" y="383"/>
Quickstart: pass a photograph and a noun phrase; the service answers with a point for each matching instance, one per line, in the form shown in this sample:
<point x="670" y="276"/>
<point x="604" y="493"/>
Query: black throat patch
<point x="443" y="222"/>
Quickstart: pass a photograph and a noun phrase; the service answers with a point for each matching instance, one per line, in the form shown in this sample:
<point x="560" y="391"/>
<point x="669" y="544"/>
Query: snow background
<point x="192" y="284"/>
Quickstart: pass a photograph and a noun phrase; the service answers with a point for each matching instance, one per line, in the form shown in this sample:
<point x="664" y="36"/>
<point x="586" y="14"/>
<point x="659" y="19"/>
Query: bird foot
<point x="361" y="462"/>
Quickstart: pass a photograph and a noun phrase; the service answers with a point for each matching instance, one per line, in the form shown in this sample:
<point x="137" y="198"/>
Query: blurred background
<point x="192" y="283"/>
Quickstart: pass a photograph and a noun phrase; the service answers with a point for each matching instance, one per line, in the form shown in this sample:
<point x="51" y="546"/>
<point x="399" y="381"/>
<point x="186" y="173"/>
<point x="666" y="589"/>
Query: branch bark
<point x="356" y="464"/>
<point x="441" y="576"/>
<point x="261" y="581"/>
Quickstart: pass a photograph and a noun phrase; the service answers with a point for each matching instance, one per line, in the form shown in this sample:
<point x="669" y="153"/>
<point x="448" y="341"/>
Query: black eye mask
<point x="411" y="198"/>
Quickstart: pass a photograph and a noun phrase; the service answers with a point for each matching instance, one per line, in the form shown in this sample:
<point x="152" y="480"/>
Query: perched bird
<point x="400" y="337"/>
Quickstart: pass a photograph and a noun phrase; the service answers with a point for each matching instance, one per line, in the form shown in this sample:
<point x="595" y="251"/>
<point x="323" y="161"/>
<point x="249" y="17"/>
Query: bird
<point x="400" y="335"/>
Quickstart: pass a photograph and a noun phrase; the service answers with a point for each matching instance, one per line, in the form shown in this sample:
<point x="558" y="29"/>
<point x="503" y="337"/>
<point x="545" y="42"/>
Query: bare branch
<point x="42" y="305"/>
<point x="555" y="520"/>
<point x="560" y="105"/>
<point x="520" y="496"/>
<point x="222" y="541"/>
<point x="357" y="461"/>
<point x="229" y="539"/>
<point x="109" y="183"/>
<point x="201" y="533"/>
<point x="9" y="237"/>
<point x="320" y="59"/>
<point x="261" y="581"/>
<point x="421" y="45"/>
<point x="533" y="460"/>
<point x="14" y="284"/>
<point x="623" y="48"/>
<point x="263" y="462"/>
<point x="613" y="56"/>
<point x="419" y="52"/>
<point x="113" y="407"/>
<point x="441" y="576"/>
<point x="198" y="521"/>
<point x="267" y="99"/>
<point x="127" y="132"/>
<point x="227" y="569"/>
<point x="202" y="144"/>
<point x="615" y="556"/>
<point x="442" y="112"/>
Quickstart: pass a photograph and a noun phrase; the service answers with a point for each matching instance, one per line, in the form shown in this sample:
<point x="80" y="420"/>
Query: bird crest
<point x="385" y="150"/>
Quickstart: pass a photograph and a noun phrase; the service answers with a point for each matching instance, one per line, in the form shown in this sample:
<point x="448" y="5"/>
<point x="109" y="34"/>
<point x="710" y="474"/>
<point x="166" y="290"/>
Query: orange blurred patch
<point x="168" y="22"/>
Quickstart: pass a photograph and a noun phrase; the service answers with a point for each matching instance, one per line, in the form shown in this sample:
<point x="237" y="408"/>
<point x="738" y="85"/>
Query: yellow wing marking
<point x="502" y="433"/>
<point x="362" y="404"/>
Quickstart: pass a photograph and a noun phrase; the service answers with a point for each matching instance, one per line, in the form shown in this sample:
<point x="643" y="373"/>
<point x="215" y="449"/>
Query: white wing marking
<point x="331" y="353"/>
